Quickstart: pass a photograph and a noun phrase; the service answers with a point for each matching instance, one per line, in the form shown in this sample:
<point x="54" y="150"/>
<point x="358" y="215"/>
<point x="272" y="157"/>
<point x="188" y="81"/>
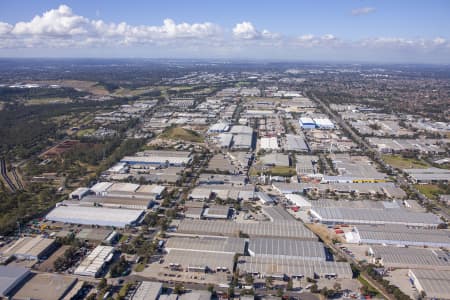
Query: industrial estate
<point x="224" y="181"/>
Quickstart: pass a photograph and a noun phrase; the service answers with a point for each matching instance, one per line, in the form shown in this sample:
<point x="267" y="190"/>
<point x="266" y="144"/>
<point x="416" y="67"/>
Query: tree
<point x="269" y="282"/>
<point x="314" y="288"/>
<point x="178" y="289"/>
<point x="337" y="286"/>
<point x="290" y="284"/>
<point x="102" y="284"/>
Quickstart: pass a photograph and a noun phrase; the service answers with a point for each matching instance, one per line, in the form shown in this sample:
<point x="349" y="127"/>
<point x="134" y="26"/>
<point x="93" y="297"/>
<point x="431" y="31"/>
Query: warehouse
<point x="277" y="214"/>
<point x="217" y="212"/>
<point x="346" y="215"/>
<point x="435" y="285"/>
<point x="275" y="159"/>
<point x="429" y="175"/>
<point x="324" y="123"/>
<point x="418" y="258"/>
<point x="222" y="191"/>
<point x="207" y="244"/>
<point x="287" y="188"/>
<point x="294" y="230"/>
<point x="94" y="263"/>
<point x="242" y="142"/>
<point x="209" y="261"/>
<point x="295" y="143"/>
<point x="118" y="202"/>
<point x="264" y="198"/>
<point x="279" y="267"/>
<point x="96" y="235"/>
<point x="155" y="157"/>
<point x="225" y="140"/>
<point x="306" y="164"/>
<point x="30" y="248"/>
<point x="307" y="123"/>
<point x="101" y="216"/>
<point x="299" y="201"/>
<point x="45" y="286"/>
<point x="398" y="235"/>
<point x="269" y="143"/>
<point x="241" y="130"/>
<point x="101" y="187"/>
<point x="275" y="247"/>
<point x="11" y="278"/>
<point x="79" y="193"/>
<point x="148" y="290"/>
<point x="219" y="128"/>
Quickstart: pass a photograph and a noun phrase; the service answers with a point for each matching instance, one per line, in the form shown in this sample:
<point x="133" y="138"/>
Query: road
<point x="5" y="175"/>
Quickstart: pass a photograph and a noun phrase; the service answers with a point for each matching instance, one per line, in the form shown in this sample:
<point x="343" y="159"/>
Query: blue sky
<point x="359" y="30"/>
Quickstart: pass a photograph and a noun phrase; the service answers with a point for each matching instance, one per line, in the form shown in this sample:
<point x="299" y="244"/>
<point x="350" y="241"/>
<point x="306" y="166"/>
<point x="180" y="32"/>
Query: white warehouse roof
<point x="94" y="215"/>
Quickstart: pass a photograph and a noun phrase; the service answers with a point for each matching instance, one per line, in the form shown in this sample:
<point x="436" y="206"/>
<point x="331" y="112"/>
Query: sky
<point x="336" y="30"/>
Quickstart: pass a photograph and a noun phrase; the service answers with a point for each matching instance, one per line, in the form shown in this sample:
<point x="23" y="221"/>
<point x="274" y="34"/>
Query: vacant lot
<point x="400" y="162"/>
<point x="47" y="266"/>
<point x="431" y="191"/>
<point x="179" y="133"/>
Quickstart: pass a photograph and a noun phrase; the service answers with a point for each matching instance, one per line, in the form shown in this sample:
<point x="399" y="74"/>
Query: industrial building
<point x="275" y="159"/>
<point x="207" y="244"/>
<point x="324" y="123"/>
<point x="11" y="278"/>
<point x="306" y="164"/>
<point x="219" y="127"/>
<point x="89" y="215"/>
<point x="429" y="175"/>
<point x="398" y="235"/>
<point x="295" y="143"/>
<point x="299" y="201"/>
<point x="295" y="230"/>
<point x="30" y="248"/>
<point x="307" y="123"/>
<point x="182" y="260"/>
<point x="217" y="212"/>
<point x="97" y="235"/>
<point x="148" y="290"/>
<point x="222" y="191"/>
<point x="269" y="143"/>
<point x="278" y="214"/>
<point x="45" y="286"/>
<point x="276" y="247"/>
<point x="118" y="202"/>
<point x="435" y="285"/>
<point x="94" y="263"/>
<point x="264" y="198"/>
<point x="392" y="257"/>
<point x="294" y="267"/>
<point x="242" y="142"/>
<point x="157" y="158"/>
<point x="346" y="215"/>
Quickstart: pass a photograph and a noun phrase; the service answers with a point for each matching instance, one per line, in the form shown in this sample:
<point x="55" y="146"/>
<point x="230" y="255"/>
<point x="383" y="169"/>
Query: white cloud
<point x="246" y="31"/>
<point x="310" y="40"/>
<point x="363" y="11"/>
<point x="61" y="27"/>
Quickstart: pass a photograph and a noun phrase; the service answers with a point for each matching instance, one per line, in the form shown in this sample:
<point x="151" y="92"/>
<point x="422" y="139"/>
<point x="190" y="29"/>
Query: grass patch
<point x="372" y="291"/>
<point x="282" y="171"/>
<point x="123" y="238"/>
<point x="431" y="191"/>
<point x="43" y="101"/>
<point x="179" y="133"/>
<point x="139" y="267"/>
<point x="84" y="132"/>
<point x="400" y="162"/>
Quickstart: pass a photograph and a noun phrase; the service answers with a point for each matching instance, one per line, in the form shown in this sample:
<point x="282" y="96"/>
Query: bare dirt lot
<point x="47" y="265"/>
